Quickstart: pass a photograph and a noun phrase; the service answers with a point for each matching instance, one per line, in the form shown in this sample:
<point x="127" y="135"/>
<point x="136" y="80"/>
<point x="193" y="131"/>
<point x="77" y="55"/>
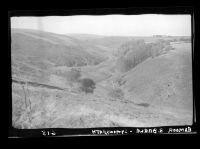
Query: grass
<point x="107" y="106"/>
<point x="48" y="111"/>
<point x="55" y="109"/>
<point x="62" y="51"/>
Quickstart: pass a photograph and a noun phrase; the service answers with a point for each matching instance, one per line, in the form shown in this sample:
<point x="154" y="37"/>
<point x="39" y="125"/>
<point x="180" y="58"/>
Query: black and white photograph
<point x="97" y="71"/>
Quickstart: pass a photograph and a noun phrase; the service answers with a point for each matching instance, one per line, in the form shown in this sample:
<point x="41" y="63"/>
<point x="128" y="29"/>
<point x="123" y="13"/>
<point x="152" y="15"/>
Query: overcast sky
<point x="122" y="25"/>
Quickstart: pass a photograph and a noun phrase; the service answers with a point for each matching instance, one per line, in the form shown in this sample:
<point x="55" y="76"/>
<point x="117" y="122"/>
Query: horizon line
<point x="101" y="34"/>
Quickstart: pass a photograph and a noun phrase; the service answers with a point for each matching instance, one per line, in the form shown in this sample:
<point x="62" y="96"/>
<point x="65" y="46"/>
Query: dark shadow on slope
<point x="143" y="104"/>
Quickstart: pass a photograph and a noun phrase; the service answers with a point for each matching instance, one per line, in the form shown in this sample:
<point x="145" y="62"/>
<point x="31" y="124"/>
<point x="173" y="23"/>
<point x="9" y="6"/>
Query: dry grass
<point x="152" y="94"/>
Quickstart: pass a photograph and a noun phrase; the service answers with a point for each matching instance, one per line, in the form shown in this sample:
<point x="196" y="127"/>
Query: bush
<point x="168" y="48"/>
<point x="120" y="81"/>
<point x="87" y="85"/>
<point x="116" y="93"/>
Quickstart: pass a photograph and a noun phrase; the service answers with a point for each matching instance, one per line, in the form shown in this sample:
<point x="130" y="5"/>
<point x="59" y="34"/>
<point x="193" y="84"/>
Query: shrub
<point x="168" y="48"/>
<point x="116" y="93"/>
<point x="87" y="85"/>
<point x="120" y="81"/>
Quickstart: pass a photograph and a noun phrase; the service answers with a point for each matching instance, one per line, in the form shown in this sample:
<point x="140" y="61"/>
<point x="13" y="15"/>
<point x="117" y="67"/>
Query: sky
<point x="110" y="25"/>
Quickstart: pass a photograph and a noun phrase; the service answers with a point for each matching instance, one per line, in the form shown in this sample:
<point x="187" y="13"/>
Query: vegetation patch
<point x="87" y="85"/>
<point x="134" y="52"/>
<point x="116" y="93"/>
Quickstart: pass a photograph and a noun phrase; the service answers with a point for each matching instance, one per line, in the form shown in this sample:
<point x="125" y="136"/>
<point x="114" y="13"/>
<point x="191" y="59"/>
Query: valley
<point x="139" y="81"/>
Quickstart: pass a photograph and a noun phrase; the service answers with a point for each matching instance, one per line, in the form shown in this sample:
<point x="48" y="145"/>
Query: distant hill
<point x="113" y="43"/>
<point x="85" y="37"/>
<point x="58" y="49"/>
<point x="108" y="43"/>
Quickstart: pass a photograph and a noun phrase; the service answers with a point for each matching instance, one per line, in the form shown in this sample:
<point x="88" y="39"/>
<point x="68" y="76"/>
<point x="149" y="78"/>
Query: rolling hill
<point x="157" y="90"/>
<point x="164" y="82"/>
<point x="58" y="49"/>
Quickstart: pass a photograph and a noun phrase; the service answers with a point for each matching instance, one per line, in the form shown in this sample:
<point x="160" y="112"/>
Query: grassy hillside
<point x="59" y="49"/>
<point x="164" y="82"/>
<point x="155" y="91"/>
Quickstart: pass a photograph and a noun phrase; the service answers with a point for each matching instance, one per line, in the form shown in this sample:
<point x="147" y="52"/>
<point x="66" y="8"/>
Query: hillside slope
<point x="157" y="91"/>
<point x="59" y="49"/>
<point x="164" y="82"/>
